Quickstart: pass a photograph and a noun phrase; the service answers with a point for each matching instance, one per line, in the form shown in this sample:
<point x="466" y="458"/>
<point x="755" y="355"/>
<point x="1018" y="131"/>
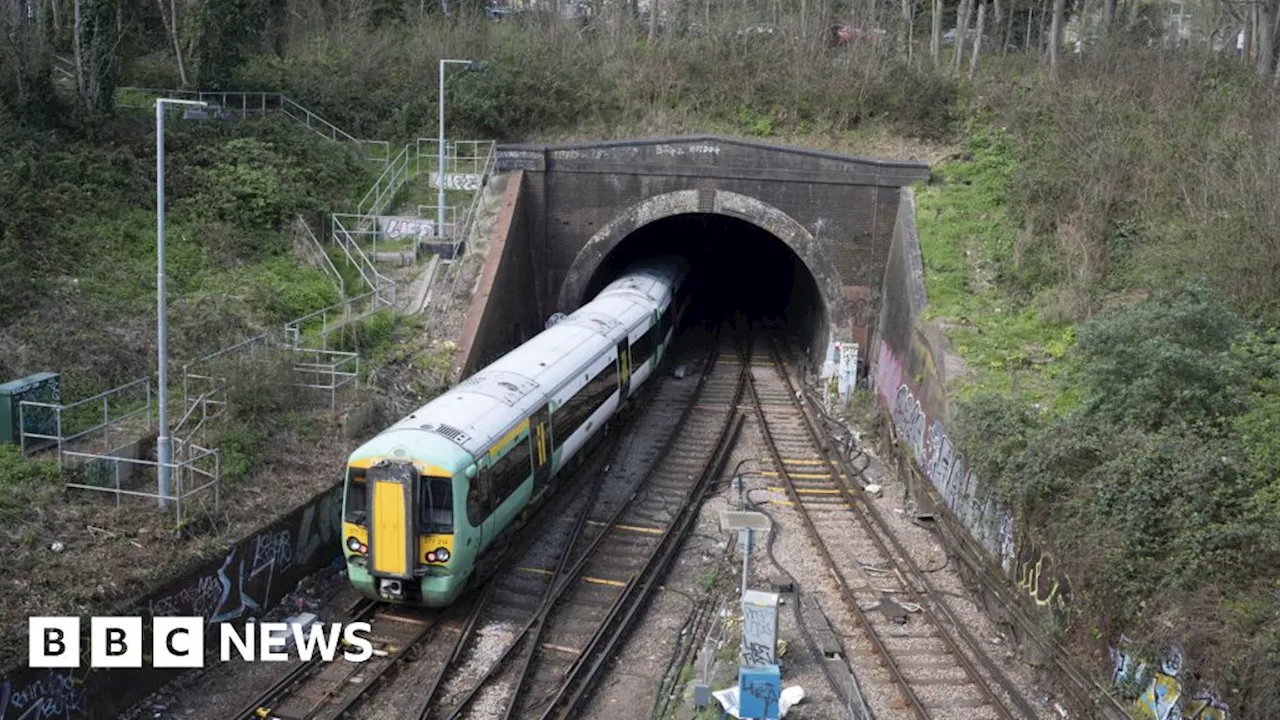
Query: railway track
<point x="317" y="690"/>
<point x="429" y="640"/>
<point x="618" y="556"/>
<point x="930" y="664"/>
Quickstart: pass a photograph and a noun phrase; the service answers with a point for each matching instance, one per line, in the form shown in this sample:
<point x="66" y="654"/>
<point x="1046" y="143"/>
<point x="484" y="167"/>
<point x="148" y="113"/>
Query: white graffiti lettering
<point x="271" y="552"/>
<point x="57" y="696"/>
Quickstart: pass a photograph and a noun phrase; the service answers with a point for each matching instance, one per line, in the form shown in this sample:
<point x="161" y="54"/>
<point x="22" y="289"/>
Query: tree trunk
<point x="172" y="24"/>
<point x="1108" y="15"/>
<point x="77" y="33"/>
<point x="977" y="43"/>
<point x="1055" y="36"/>
<point x="962" y="29"/>
<point x="935" y="38"/>
<point x="1008" y="32"/>
<point x="653" y="20"/>
<point x="906" y="27"/>
<point x="1026" y="45"/>
<point x="1266" y="36"/>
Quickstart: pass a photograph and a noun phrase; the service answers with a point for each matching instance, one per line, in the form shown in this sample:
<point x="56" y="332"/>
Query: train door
<point x="624" y="370"/>
<point x="540" y="435"/>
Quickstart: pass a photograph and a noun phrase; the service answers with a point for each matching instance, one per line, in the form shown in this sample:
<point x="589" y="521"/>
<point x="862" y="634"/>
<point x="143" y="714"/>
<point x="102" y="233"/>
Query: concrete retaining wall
<point x="249" y="579"/>
<point x="506" y="309"/>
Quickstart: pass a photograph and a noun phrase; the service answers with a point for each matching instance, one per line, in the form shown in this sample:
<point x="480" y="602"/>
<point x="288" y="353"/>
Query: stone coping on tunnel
<point x="710" y="155"/>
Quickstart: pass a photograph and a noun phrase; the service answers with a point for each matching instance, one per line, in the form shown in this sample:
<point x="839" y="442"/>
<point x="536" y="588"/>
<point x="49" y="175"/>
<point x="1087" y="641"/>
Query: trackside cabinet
<point x="43" y="387"/>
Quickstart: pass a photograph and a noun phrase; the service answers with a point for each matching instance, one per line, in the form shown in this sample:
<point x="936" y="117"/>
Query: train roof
<point x="486" y="405"/>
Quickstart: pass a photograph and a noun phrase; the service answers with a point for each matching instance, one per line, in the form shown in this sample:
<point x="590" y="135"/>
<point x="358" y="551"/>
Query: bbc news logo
<point x="178" y="642"/>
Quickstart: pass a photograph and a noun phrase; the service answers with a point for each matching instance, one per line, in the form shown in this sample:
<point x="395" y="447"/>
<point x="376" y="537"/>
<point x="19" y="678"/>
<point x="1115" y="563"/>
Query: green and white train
<point x="427" y="497"/>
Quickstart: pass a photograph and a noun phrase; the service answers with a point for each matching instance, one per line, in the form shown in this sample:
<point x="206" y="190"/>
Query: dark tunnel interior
<point x="735" y="267"/>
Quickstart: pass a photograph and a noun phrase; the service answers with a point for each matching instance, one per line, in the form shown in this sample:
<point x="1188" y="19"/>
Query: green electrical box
<point x="45" y="387"/>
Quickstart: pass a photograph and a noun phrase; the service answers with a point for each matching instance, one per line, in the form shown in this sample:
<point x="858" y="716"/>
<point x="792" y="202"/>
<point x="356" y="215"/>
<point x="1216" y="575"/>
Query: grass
<point x="967" y="240"/>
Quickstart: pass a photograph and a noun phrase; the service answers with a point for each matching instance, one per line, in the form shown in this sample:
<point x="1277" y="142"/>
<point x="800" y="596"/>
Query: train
<point x="427" y="497"/>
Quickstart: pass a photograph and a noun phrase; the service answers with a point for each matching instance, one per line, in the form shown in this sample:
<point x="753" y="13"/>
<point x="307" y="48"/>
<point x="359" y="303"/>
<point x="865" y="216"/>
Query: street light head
<point x="474" y="66"/>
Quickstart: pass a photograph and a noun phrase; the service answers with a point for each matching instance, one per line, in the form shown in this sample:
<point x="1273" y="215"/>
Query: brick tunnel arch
<point x="786" y="229"/>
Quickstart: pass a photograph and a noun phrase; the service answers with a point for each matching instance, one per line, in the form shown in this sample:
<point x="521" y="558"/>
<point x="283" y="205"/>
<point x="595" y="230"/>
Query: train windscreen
<point x="436" y="501"/>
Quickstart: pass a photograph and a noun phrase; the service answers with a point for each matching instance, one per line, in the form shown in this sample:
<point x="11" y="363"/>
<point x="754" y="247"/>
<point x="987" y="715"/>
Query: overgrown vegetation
<point x="1102" y="259"/>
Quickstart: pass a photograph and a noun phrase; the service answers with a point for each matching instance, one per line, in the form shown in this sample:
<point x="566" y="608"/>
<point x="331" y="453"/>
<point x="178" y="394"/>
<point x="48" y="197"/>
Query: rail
<point x="249" y="103"/>
<point x="202" y="467"/>
<point x="340" y="368"/>
<point x="136" y="394"/>
<point x="314" y="248"/>
<point x="374" y="280"/>
<point x="877" y="531"/>
<point x="384" y="189"/>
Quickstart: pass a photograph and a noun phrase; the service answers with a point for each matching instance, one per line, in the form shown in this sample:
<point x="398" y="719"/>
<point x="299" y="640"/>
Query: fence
<point x="327" y="320"/>
<point x="110" y="472"/>
<point x="243" y="104"/>
<point x="386" y="186"/>
<point x="331" y="369"/>
<point x="380" y="284"/>
<point x="311" y="247"/>
<point x="131" y="400"/>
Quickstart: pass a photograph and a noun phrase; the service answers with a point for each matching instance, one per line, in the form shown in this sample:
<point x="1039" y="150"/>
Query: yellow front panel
<point x="390" y="538"/>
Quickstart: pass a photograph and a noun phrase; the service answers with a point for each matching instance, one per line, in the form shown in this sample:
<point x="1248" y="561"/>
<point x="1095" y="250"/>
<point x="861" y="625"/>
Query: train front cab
<point x="399" y="535"/>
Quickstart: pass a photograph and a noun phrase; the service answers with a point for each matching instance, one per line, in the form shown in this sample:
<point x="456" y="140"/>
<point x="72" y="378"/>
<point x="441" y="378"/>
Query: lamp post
<point x="164" y="450"/>
<point x="471" y="67"/>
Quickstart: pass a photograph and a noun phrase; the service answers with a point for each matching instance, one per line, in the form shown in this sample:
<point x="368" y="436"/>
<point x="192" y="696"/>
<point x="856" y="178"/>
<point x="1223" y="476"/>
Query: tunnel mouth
<point x="737" y="269"/>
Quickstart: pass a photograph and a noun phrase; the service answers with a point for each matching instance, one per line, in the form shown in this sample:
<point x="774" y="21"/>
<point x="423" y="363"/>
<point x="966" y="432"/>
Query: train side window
<point x="357" y="508"/>
<point x="642" y="349"/>
<point x="511" y="471"/>
<point x="586" y="401"/>
<point x="436" y="500"/>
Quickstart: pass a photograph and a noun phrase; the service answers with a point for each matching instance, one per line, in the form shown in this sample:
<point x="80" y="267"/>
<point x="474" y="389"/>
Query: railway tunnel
<point x="736" y="268"/>
<point x="777" y="232"/>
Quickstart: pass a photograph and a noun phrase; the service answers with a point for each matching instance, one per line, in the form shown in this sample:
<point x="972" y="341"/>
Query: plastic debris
<point x="728" y="700"/>
<point x="873" y="490"/>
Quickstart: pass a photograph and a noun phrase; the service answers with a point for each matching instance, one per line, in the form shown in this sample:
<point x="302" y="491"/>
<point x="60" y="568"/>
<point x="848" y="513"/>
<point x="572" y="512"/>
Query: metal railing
<point x="466" y="162"/>
<point x="245" y="104"/>
<point x="386" y="186"/>
<point x="332" y="318"/>
<point x="331" y="370"/>
<point x="374" y="280"/>
<point x="195" y="376"/>
<point x="312" y="247"/>
<point x="123" y="475"/>
<point x="135" y="397"/>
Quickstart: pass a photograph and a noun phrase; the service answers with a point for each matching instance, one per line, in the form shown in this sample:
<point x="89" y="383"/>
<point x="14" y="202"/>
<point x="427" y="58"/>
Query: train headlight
<point x="442" y="555"/>
<point x="353" y="544"/>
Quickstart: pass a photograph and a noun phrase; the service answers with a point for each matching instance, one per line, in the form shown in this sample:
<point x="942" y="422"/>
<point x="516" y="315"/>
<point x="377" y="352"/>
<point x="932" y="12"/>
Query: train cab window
<point x="436" y="501"/>
<point x="357" y="507"/>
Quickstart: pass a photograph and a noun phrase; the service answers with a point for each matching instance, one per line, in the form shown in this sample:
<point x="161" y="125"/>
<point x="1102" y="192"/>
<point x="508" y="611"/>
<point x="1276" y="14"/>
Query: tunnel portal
<point x="736" y="267"/>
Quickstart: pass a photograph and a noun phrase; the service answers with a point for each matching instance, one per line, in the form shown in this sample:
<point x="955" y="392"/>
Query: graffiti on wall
<point x="250" y="576"/>
<point x="407" y="227"/>
<point x="1162" y="696"/>
<point x="55" y="694"/>
<point x="254" y="574"/>
<point x="1037" y="575"/>
<point x="939" y="459"/>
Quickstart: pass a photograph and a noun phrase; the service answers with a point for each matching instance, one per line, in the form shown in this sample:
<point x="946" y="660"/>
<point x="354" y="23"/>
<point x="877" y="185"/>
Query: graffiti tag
<point x="56" y="696"/>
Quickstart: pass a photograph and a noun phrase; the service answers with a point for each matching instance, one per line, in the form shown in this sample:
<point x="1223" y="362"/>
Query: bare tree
<point x="172" y="22"/>
<point x="1055" y="35"/>
<point x="935" y="38"/>
<point x="95" y="41"/>
<point x="977" y="42"/>
<point x="962" y="29"/>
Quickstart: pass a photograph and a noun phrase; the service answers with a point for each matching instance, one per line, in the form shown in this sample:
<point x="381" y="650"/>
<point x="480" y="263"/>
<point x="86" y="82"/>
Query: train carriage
<point x="427" y="496"/>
